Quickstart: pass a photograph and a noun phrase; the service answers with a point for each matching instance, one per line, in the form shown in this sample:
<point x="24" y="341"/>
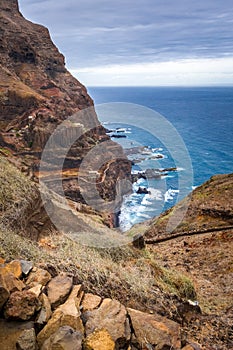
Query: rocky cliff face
<point x="37" y="93"/>
<point x="33" y="74"/>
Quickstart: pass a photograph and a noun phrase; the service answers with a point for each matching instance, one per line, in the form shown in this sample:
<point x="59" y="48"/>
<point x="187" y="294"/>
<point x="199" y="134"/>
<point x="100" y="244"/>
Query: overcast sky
<point x="141" y="42"/>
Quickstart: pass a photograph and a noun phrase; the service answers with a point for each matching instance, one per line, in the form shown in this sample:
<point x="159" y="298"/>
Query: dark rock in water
<point x="150" y="173"/>
<point x="118" y="136"/>
<point x="143" y="190"/>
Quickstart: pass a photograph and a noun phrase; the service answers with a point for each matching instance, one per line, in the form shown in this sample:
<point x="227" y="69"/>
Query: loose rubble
<point x="39" y="311"/>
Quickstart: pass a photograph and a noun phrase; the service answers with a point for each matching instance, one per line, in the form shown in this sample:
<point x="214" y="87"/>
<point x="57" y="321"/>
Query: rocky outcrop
<point x="80" y="321"/>
<point x="37" y="94"/>
<point x="209" y="208"/>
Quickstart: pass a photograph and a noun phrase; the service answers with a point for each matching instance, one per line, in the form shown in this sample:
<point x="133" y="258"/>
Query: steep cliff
<point x="37" y="94"/>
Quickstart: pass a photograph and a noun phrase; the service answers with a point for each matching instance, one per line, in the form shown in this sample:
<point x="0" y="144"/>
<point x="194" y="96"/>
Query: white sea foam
<point x="170" y="194"/>
<point x="133" y="209"/>
<point x="145" y="216"/>
<point x="157" y="149"/>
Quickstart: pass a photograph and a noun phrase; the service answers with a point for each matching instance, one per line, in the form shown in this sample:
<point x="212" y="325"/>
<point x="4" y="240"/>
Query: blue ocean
<point x="203" y="117"/>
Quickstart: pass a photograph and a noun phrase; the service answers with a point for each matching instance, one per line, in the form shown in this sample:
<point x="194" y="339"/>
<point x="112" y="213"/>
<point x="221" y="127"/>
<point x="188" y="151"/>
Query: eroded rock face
<point x="37" y="94"/>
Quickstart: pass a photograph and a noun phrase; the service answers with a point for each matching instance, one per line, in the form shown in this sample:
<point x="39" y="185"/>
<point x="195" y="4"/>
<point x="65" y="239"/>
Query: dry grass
<point x="16" y="192"/>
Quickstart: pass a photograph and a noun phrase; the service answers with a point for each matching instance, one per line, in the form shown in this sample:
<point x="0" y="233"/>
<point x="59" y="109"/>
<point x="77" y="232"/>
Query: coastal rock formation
<point x="37" y="94"/>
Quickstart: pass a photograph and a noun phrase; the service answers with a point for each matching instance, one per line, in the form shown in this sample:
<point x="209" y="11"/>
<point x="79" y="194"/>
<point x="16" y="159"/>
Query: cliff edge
<point x="37" y="94"/>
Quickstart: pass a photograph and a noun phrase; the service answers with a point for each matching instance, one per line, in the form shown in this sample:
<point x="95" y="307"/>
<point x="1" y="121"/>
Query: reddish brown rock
<point x="21" y="306"/>
<point x="112" y="316"/>
<point x="38" y="276"/>
<point x="59" y="288"/>
<point x="90" y="302"/>
<point x="99" y="340"/>
<point x="9" y="281"/>
<point x="154" y="330"/>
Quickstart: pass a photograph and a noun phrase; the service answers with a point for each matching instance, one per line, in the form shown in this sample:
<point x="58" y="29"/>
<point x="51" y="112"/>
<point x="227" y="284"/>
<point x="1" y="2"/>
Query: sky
<point x="141" y="42"/>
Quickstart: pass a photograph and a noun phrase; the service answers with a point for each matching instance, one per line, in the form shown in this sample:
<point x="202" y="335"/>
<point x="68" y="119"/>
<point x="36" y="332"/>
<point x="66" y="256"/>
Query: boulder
<point x="154" y="330"/>
<point x="15" y="268"/>
<point x="99" y="340"/>
<point x="21" y="305"/>
<point x="26" y="266"/>
<point x="112" y="316"/>
<point x="65" y="338"/>
<point x="9" y="281"/>
<point x="45" y="311"/>
<point x="27" y="340"/>
<point x="58" y="289"/>
<point x="38" y="276"/>
<point x="90" y="302"/>
<point x="143" y="190"/>
<point x="67" y="314"/>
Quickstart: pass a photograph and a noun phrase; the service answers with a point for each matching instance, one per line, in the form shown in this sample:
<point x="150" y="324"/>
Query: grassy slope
<point x="130" y="275"/>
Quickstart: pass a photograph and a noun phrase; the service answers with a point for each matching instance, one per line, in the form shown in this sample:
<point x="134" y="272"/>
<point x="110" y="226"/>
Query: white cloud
<point x="188" y="72"/>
